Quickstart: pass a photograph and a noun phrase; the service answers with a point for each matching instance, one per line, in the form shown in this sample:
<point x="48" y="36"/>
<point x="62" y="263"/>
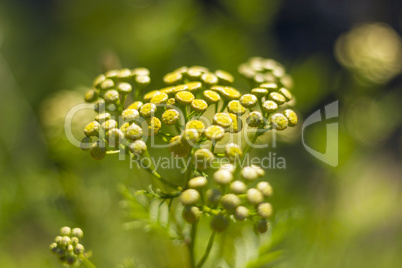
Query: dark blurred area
<point x="347" y="51"/>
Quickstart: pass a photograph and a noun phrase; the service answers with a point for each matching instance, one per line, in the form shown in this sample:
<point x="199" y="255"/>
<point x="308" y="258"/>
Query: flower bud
<point x="254" y="119"/>
<point x="214" y="133"/>
<point x="238" y="187"/>
<point x="191" y="214"/>
<point x="191" y="136"/>
<point x="203" y="158"/>
<point x="65" y="231"/>
<point x="111" y="96"/>
<point x="98" y="151"/>
<point x="265" y="188"/>
<point x="86" y="143"/>
<point x="92" y="129"/>
<point x="197" y="182"/>
<point x="53" y="247"/>
<point x="279" y="121"/>
<point x="219" y="223"/>
<point x="264" y="210"/>
<point x="224" y="77"/>
<point x="135" y="105"/>
<point x="133" y="132"/>
<point x="236" y="123"/>
<point x="124" y="88"/>
<point x="184" y="97"/>
<point x="199" y="105"/>
<point x="235" y="107"/>
<point x="228" y="93"/>
<point x="223" y="176"/>
<point x="211" y="96"/>
<point x="194" y="86"/>
<point x="159" y="98"/>
<point x="233" y="152"/>
<point x="213" y="196"/>
<point x="209" y="79"/>
<point x="114" y="137"/>
<point x="286" y="93"/>
<point x="189" y="197"/>
<point x="141" y="71"/>
<point x="291" y="116"/>
<point x="270" y="86"/>
<point x="230" y="201"/>
<point x="173" y="78"/>
<point x="79" y="249"/>
<point x="148" y="110"/>
<point x="65" y="241"/>
<point x="248" y="100"/>
<point x="142" y="81"/>
<point x="106" y="84"/>
<point x="196" y="124"/>
<point x="102" y="117"/>
<point x="74" y="240"/>
<point x="229" y="167"/>
<point x="223" y="120"/>
<point x="154" y="126"/>
<point x="254" y="196"/>
<point x="77" y="232"/>
<point x="277" y="97"/>
<point x="259" y="92"/>
<point x="251" y="173"/>
<point x="130" y="115"/>
<point x="137" y="148"/>
<point x="261" y="226"/>
<point x="170" y="117"/>
<point x="91" y="96"/>
<point x="98" y="80"/>
<point x="270" y="106"/>
<point x="241" y="213"/>
<point x="109" y="124"/>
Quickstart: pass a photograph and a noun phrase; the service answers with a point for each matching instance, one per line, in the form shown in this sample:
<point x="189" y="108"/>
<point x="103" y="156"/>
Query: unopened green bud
<point x="191" y="214"/>
<point x="125" y="75"/>
<point x="141" y="71"/>
<point x="91" y="96"/>
<point x="270" y="86"/>
<point x="142" y="81"/>
<point x="74" y="240"/>
<point x="106" y="84"/>
<point x="254" y="119"/>
<point x="53" y="247"/>
<point x="254" y="196"/>
<point x="251" y="173"/>
<point x="189" y="197"/>
<point x="241" y="213"/>
<point x="98" y="151"/>
<point x="86" y="143"/>
<point x="112" y="74"/>
<point x="219" y="223"/>
<point x="114" y="137"/>
<point x="71" y="259"/>
<point x="223" y="176"/>
<point x="279" y="121"/>
<point x="286" y="93"/>
<point x="233" y="152"/>
<point x="197" y="182"/>
<point x="213" y="196"/>
<point x="65" y="241"/>
<point x="109" y="124"/>
<point x="261" y="226"/>
<point x="291" y="116"/>
<point x="264" y="210"/>
<point x="228" y="167"/>
<point x="265" y="188"/>
<point x="58" y="239"/>
<point x="238" y="187"/>
<point x="98" y="80"/>
<point x="230" y="201"/>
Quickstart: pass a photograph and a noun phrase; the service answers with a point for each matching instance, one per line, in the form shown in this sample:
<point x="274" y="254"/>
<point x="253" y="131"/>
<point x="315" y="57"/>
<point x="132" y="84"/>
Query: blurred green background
<point x="50" y="51"/>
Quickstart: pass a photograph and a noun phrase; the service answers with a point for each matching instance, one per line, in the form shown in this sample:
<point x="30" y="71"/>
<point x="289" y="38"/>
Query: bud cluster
<point x="191" y="114"/>
<point x="67" y="245"/>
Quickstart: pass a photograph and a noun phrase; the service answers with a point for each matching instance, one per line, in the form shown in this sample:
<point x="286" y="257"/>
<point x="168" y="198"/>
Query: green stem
<point x="207" y="251"/>
<point x="251" y="142"/>
<point x="87" y="263"/>
<point x="191" y="245"/>
<point x="159" y="177"/>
